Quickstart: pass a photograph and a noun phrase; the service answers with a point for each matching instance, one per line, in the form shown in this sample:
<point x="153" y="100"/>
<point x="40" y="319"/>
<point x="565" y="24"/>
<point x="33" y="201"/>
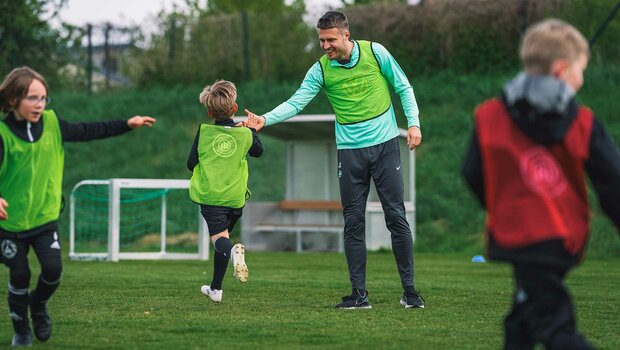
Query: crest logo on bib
<point x="356" y="87"/>
<point x="541" y="172"/>
<point x="224" y="145"/>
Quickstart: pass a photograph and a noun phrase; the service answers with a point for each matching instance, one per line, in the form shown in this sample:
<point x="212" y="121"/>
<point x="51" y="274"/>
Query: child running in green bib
<point x="219" y="182"/>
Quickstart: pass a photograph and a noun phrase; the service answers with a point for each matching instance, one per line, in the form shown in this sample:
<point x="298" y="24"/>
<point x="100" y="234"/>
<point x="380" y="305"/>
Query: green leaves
<point x="26" y="37"/>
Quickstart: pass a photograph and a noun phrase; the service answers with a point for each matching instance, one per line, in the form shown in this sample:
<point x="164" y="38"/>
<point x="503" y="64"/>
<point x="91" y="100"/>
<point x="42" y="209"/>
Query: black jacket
<point x="70" y="132"/>
<point x="544" y="109"/>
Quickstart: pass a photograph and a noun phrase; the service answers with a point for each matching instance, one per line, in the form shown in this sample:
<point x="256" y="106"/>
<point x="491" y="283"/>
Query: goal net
<point x="135" y="219"/>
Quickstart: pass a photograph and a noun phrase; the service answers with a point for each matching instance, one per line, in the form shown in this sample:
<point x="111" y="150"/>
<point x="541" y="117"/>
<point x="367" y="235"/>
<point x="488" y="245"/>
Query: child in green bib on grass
<point x="219" y="182"/>
<point x="31" y="169"/>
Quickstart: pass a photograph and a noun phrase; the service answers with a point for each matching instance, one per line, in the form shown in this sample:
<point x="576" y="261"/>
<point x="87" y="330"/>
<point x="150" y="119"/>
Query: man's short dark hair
<point x="333" y="19"/>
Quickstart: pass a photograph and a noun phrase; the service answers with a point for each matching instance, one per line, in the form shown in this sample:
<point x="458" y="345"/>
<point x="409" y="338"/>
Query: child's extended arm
<point x="256" y="150"/>
<point x="255" y="123"/>
<point x="3" y="205"/>
<point x="87" y="131"/>
<point x="603" y="167"/>
<point x="140" y="121"/>
<point x="192" y="159"/>
<point x="472" y="169"/>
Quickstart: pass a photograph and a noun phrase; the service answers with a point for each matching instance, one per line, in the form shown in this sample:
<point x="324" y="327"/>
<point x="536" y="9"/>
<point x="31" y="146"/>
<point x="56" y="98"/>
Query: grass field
<point x="288" y="301"/>
<point x="288" y="304"/>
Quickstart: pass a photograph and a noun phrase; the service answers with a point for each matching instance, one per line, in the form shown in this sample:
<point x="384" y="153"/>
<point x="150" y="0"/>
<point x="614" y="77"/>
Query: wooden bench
<point x="310" y="205"/>
<point x="300" y="229"/>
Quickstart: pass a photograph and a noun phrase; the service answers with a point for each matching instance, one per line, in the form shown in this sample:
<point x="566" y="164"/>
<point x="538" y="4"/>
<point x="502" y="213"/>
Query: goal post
<point x="136" y="219"/>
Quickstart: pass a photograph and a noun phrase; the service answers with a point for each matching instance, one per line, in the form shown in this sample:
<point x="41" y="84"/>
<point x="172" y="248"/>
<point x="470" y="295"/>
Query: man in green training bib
<point x="355" y="75"/>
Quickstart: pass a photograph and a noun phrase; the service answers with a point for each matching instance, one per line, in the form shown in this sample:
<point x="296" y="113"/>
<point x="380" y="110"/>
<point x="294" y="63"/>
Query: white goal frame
<point x="114" y="206"/>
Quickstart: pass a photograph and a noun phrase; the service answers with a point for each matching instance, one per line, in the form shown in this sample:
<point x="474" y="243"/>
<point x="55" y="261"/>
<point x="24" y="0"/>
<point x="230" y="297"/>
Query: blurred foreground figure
<point x="526" y="163"/>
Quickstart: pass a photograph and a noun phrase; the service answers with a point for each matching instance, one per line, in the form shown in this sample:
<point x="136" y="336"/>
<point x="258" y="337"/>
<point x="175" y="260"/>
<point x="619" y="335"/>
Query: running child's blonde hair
<point x="548" y="41"/>
<point x="219" y="99"/>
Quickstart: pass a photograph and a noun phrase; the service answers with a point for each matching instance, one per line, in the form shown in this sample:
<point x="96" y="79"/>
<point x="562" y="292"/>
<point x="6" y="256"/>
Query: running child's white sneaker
<point x="240" y="269"/>
<point x="213" y="294"/>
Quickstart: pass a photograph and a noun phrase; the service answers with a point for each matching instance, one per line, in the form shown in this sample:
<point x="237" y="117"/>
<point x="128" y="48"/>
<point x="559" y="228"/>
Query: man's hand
<point x="3" y="214"/>
<point x="257" y="122"/>
<point x="140" y="121"/>
<point x="414" y="137"/>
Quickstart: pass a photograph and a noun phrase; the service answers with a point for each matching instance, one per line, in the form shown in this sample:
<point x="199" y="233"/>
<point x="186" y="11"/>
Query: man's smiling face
<point x="335" y="43"/>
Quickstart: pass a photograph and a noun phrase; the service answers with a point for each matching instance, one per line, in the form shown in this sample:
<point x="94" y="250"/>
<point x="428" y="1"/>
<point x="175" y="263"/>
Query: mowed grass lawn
<point x="288" y="304"/>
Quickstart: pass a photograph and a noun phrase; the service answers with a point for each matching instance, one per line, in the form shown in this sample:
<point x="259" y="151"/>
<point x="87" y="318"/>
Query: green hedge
<point x="448" y="216"/>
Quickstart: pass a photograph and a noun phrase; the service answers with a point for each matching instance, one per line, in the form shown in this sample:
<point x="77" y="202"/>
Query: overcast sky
<point x="80" y="12"/>
<point x="121" y="13"/>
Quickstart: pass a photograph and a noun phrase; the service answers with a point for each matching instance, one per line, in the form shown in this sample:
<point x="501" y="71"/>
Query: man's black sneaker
<point x="412" y="299"/>
<point x="357" y="300"/>
<point x="22" y="339"/>
<point x="41" y="321"/>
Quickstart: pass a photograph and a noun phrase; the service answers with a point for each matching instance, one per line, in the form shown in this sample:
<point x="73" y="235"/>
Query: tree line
<point x="270" y="40"/>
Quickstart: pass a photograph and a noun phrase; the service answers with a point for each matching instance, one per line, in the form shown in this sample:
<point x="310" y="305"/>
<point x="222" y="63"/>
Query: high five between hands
<point x="257" y="122"/>
<point x="254" y="121"/>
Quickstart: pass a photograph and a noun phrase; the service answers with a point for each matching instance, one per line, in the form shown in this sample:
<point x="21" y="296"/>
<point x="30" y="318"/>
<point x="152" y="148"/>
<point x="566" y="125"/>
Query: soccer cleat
<point x="41" y="322"/>
<point x="412" y="299"/>
<point x="240" y="269"/>
<point x="213" y="294"/>
<point x="22" y="339"/>
<point x="357" y="300"/>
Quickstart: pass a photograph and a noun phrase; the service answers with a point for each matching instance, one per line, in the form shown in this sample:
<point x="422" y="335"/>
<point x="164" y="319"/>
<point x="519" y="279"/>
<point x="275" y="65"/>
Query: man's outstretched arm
<point x="310" y="86"/>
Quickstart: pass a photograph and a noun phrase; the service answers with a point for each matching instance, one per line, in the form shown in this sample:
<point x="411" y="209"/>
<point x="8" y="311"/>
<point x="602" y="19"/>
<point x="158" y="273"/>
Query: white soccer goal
<point x="135" y="219"/>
